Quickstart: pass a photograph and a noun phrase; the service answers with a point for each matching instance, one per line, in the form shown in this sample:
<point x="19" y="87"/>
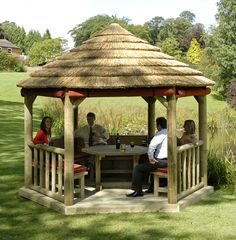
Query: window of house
<point x="9" y="50"/>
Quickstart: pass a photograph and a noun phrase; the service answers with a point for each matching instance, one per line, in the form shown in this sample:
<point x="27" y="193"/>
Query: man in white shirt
<point x="157" y="155"/>
<point x="92" y="134"/>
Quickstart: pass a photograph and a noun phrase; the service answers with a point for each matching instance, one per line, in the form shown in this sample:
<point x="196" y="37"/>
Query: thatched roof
<point x="115" y="59"/>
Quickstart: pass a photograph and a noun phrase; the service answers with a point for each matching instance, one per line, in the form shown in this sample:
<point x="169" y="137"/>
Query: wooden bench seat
<point x="157" y="174"/>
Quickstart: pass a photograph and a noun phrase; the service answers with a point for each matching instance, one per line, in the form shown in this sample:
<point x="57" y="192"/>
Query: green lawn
<point x="212" y="218"/>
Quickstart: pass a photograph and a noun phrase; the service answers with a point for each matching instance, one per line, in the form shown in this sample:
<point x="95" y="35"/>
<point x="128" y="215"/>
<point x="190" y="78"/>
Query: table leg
<point x="135" y="160"/>
<point x="98" y="172"/>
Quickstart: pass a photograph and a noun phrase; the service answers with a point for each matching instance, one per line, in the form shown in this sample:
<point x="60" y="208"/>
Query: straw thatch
<point x="115" y="59"/>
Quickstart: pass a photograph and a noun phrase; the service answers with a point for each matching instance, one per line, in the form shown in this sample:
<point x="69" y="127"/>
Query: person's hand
<point x="153" y="161"/>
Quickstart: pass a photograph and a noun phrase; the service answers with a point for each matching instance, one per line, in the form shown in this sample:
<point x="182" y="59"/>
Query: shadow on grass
<point x="24" y="219"/>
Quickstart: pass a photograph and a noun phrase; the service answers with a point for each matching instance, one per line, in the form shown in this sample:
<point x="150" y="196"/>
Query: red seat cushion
<point x="162" y="170"/>
<point x="79" y="168"/>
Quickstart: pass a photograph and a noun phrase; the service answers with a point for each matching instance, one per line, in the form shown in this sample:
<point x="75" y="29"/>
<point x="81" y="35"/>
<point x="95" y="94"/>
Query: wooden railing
<point x="47" y="170"/>
<point x="188" y="169"/>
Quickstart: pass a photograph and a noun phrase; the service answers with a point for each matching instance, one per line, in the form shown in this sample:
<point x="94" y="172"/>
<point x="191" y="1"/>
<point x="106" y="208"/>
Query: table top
<point x="112" y="151"/>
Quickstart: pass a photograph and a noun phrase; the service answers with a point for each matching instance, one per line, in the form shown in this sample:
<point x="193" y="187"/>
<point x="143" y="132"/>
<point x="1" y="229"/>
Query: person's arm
<point x="152" y="148"/>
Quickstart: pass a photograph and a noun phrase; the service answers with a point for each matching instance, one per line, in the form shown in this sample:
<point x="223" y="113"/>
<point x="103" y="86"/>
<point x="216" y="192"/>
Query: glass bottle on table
<point x="117" y="141"/>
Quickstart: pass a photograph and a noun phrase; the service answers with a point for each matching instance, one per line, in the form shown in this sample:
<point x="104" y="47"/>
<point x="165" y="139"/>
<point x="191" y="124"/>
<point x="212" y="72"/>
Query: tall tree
<point x="225" y="42"/>
<point x="32" y="37"/>
<point x="47" y="35"/>
<point x="45" y="51"/>
<point x="171" y="46"/>
<point x="194" y="53"/>
<point x="189" y="16"/>
<point x="92" y="26"/>
<point x="154" y="27"/>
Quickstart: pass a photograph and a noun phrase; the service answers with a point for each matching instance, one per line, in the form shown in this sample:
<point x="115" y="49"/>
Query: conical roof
<point x="115" y="59"/>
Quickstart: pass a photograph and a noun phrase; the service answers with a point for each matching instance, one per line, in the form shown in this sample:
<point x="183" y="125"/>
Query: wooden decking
<point x="115" y="201"/>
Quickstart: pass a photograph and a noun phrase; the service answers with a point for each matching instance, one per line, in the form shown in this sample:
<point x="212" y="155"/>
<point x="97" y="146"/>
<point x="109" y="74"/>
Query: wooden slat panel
<point x="35" y="167"/>
<point x="41" y="168"/>
<point x="197" y="166"/>
<point x="189" y="170"/>
<point x="60" y="174"/>
<point x="193" y="167"/>
<point x="184" y="170"/>
<point x="47" y="174"/>
<point x="53" y="170"/>
<point x="179" y="172"/>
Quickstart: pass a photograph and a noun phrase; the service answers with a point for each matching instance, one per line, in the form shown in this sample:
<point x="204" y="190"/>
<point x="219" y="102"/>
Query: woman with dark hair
<point x="44" y="134"/>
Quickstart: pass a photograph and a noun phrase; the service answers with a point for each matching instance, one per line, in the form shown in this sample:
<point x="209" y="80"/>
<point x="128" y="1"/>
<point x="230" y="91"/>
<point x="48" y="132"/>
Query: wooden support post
<point x="202" y="114"/>
<point x="172" y="150"/>
<point x="76" y="103"/>
<point x="28" y="126"/>
<point x="69" y="151"/>
<point x="151" y="116"/>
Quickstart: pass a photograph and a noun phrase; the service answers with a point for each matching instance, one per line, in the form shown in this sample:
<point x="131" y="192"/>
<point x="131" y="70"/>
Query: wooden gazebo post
<point x="151" y="116"/>
<point x="172" y="151"/>
<point x="69" y="150"/>
<point x="202" y="115"/>
<point x="28" y="130"/>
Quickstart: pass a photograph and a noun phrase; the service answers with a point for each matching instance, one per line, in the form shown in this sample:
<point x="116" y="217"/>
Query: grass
<point x="211" y="218"/>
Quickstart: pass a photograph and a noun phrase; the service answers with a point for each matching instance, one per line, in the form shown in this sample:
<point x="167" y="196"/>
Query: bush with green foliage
<point x="10" y="63"/>
<point x="221" y="167"/>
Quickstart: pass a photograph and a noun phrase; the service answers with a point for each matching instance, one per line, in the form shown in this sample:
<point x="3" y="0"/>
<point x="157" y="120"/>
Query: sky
<point x="60" y="16"/>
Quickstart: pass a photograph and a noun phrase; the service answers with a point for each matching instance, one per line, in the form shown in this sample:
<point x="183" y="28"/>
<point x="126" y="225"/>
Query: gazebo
<point x="115" y="63"/>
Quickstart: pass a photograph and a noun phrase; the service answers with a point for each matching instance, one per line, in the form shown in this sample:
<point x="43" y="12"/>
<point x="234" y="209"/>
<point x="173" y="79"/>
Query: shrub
<point x="10" y="63"/>
<point x="221" y="167"/>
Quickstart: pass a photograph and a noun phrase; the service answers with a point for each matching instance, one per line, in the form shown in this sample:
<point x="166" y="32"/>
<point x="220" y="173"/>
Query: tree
<point x="171" y="46"/>
<point x="92" y="26"/>
<point x="194" y="52"/>
<point x="47" y="35"/>
<point x="31" y="38"/>
<point x="196" y="31"/>
<point x="188" y="16"/>
<point x="44" y="51"/>
<point x="231" y="94"/>
<point x="154" y="27"/>
<point x="225" y="42"/>
<point x="139" y="31"/>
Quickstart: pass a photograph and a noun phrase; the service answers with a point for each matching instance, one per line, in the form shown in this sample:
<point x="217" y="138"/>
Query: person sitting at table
<point x="92" y="133"/>
<point x="157" y="155"/>
<point x="189" y="135"/>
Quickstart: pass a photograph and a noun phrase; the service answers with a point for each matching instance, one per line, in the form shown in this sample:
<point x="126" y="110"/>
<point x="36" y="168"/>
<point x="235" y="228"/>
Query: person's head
<point x="161" y="123"/>
<point x="189" y="126"/>
<point x="91" y="118"/>
<point x="46" y="124"/>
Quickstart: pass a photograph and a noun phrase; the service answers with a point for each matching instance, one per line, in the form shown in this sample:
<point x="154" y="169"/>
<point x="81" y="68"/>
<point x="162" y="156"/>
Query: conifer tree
<point x="194" y="52"/>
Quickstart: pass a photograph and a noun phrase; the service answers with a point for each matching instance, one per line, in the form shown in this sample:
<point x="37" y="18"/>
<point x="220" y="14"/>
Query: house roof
<point x="115" y="59"/>
<point x="5" y="43"/>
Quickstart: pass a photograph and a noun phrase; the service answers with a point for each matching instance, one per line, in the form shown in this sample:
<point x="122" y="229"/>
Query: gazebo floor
<point x="115" y="201"/>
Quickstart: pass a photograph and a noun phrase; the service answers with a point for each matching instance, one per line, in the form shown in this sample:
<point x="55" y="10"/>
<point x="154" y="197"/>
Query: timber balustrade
<point x="47" y="170"/>
<point x="189" y="169"/>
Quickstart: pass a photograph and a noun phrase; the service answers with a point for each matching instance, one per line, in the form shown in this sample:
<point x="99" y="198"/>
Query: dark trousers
<point x="143" y="169"/>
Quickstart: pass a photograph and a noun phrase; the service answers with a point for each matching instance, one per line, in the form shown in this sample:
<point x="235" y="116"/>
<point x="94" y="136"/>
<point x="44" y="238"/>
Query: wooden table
<point x="101" y="151"/>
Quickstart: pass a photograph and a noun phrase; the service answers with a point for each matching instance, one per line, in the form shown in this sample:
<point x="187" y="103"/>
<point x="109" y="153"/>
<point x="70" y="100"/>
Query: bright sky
<point x="60" y="16"/>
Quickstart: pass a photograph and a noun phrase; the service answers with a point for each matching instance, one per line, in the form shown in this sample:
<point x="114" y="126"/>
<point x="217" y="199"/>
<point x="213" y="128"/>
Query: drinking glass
<point x="132" y="145"/>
